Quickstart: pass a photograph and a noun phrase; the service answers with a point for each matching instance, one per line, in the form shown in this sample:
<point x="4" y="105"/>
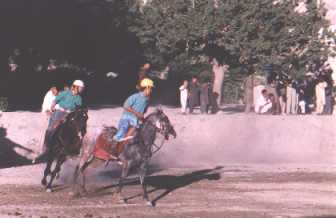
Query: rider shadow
<point x="170" y="183"/>
<point x="8" y="156"/>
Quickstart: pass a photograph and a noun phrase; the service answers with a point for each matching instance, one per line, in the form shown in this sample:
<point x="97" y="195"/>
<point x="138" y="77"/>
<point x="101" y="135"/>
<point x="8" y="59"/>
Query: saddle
<point x="105" y="146"/>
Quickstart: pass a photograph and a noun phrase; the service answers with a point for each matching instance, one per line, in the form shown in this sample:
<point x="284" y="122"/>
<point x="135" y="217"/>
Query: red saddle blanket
<point x="102" y="148"/>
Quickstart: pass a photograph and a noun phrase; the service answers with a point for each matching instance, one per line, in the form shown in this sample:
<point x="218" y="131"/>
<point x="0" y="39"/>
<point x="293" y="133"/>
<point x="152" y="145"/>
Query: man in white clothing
<point x="263" y="104"/>
<point x="49" y="98"/>
<point x="184" y="96"/>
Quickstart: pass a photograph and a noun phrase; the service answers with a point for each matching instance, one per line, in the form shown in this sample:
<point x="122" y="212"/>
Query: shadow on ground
<point x="168" y="183"/>
<point x="8" y="156"/>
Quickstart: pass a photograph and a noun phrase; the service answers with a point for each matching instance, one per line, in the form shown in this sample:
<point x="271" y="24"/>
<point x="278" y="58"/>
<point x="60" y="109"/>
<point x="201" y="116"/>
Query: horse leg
<point x="47" y="170"/>
<point x="124" y="174"/>
<point x="80" y="172"/>
<point x="83" y="171"/>
<point x="61" y="159"/>
<point x="143" y="172"/>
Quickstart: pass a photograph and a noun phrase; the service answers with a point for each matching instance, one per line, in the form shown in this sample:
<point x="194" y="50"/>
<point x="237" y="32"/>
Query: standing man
<point x="320" y="95"/>
<point x="194" y="94"/>
<point x="272" y="89"/>
<point x="48" y="100"/>
<point x="291" y="99"/>
<point x="142" y="74"/>
<point x="184" y="96"/>
<point x="204" y="97"/>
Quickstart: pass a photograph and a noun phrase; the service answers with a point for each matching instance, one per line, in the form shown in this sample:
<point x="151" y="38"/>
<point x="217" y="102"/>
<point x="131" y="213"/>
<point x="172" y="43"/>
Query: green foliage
<point x="3" y="104"/>
<point x="245" y="34"/>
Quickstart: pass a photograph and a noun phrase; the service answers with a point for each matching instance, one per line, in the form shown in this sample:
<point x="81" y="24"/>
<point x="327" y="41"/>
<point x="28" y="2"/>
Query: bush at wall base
<point x="3" y="103"/>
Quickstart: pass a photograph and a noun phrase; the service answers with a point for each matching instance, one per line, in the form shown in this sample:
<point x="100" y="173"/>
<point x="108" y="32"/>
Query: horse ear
<point x="159" y="109"/>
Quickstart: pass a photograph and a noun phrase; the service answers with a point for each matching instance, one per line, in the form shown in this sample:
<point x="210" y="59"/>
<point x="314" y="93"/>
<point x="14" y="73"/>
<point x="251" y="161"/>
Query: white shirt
<point x="47" y="101"/>
<point x="183" y="92"/>
<point x="264" y="103"/>
<point x="257" y="93"/>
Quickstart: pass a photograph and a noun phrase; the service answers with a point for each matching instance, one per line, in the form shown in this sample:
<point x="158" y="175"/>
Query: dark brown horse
<point x="65" y="141"/>
<point x="136" y="153"/>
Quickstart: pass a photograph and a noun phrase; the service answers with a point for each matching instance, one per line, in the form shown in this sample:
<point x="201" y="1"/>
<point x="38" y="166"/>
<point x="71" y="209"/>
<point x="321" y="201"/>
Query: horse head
<point x="163" y="124"/>
<point x="78" y="119"/>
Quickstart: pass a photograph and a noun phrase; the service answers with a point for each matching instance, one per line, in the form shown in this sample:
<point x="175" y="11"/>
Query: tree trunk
<point x="249" y="84"/>
<point x="219" y="72"/>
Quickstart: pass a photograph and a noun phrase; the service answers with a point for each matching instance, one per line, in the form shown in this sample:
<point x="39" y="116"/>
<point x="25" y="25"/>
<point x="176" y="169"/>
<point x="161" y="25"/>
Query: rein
<point x="157" y="147"/>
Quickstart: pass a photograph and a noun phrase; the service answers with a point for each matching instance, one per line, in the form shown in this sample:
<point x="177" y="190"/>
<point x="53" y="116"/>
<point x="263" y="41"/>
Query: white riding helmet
<point x="79" y="83"/>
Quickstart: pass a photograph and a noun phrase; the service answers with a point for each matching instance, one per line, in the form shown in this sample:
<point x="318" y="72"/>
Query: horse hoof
<point x="122" y="201"/>
<point x="48" y="190"/>
<point x="149" y="204"/>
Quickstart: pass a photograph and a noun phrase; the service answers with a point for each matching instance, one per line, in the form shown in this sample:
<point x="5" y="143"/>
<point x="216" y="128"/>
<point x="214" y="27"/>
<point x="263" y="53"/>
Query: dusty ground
<point x="220" y="191"/>
<point x="193" y="175"/>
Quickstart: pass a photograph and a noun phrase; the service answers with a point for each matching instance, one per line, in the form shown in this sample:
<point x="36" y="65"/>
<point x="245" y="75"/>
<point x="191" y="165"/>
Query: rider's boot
<point x="113" y="152"/>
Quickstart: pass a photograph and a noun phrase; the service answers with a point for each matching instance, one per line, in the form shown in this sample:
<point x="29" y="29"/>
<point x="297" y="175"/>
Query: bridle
<point x="156" y="147"/>
<point x="74" y="121"/>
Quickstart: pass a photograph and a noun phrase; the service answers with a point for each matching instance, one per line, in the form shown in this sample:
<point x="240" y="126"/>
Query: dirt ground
<point x="217" y="191"/>
<point x="287" y="171"/>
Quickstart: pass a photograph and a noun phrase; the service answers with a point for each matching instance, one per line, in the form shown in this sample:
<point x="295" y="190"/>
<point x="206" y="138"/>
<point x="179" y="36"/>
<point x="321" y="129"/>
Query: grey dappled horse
<point x="137" y="152"/>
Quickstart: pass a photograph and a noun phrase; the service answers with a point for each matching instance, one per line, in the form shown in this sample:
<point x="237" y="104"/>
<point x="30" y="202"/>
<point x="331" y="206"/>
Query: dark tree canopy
<point x="245" y="34"/>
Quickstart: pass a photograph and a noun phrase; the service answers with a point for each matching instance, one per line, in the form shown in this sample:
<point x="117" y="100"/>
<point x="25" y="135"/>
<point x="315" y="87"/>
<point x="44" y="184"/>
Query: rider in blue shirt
<point x="134" y="109"/>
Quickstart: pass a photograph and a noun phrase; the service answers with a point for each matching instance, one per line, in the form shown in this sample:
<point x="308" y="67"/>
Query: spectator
<point x="49" y="98"/>
<point x="328" y="98"/>
<point x="273" y="100"/>
<point x="291" y="99"/>
<point x="302" y="102"/>
<point x="320" y="95"/>
<point x="263" y="104"/>
<point x="257" y="90"/>
<point x="281" y="89"/>
<point x="194" y="95"/>
<point x="271" y="89"/>
<point x="212" y="100"/>
<point x="184" y="96"/>
<point x="142" y="74"/>
<point x="204" y="97"/>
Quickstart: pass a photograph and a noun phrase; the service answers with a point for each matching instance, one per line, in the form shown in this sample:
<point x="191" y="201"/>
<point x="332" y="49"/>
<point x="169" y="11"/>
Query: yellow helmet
<point x="147" y="83"/>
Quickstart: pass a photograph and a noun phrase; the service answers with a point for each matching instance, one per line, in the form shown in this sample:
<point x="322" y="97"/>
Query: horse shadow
<point x="8" y="156"/>
<point x="170" y="183"/>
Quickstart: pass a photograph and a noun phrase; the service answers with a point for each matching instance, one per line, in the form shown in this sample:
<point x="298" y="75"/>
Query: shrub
<point x="3" y="103"/>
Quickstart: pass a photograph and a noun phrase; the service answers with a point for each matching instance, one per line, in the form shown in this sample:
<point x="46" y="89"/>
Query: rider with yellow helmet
<point x="135" y="107"/>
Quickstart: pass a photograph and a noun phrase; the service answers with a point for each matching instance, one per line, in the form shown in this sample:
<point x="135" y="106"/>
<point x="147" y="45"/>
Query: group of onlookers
<point x="310" y="96"/>
<point x="194" y="93"/>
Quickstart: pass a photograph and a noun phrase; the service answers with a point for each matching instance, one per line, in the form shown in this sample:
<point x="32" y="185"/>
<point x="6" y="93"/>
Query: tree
<point x="244" y="34"/>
